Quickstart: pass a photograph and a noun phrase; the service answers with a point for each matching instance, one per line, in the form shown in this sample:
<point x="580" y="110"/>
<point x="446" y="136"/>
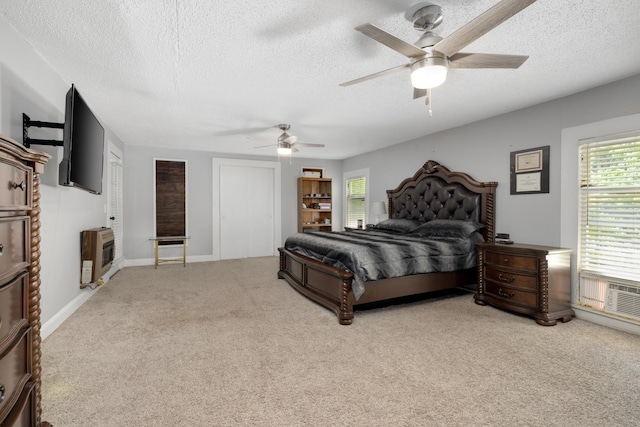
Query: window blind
<point x="356" y="203"/>
<point x="610" y="208"/>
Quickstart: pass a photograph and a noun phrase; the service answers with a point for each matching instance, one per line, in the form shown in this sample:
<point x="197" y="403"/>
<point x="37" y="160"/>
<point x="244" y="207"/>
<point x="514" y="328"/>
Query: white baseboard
<point x="151" y="261"/>
<point x="607" y="320"/>
<point x="52" y="324"/>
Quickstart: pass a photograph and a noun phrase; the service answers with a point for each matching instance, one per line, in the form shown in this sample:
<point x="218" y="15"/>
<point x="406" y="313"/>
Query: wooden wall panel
<point x="170" y="199"/>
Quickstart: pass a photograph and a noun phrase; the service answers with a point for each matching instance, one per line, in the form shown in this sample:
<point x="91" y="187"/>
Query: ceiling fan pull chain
<point x="428" y="101"/>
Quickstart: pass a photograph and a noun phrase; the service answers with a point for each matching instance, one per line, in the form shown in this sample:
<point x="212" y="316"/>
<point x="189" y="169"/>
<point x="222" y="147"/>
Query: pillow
<point x="447" y="228"/>
<point x="399" y="225"/>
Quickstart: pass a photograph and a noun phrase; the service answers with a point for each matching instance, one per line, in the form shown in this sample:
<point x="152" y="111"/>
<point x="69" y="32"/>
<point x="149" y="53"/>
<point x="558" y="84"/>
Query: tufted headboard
<point x="436" y="192"/>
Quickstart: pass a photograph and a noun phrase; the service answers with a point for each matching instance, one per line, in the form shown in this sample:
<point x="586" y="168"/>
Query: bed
<point x="334" y="275"/>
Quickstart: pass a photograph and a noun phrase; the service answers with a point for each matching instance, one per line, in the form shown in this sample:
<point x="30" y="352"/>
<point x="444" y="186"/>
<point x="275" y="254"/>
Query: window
<point x="356" y="201"/>
<point x="609" y="225"/>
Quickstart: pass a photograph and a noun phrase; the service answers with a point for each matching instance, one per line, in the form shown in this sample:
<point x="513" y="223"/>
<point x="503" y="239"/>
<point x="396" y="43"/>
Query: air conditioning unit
<point x="623" y="300"/>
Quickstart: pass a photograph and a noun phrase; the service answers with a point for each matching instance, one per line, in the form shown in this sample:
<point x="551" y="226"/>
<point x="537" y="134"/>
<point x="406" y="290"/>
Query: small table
<point x="157" y="240"/>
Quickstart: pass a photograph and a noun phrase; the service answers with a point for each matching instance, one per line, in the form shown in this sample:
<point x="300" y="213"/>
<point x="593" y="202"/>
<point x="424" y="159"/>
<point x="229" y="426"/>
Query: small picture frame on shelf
<point x="309" y="172"/>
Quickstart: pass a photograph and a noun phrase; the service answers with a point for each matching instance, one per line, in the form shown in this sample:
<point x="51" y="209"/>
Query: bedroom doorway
<point x="246" y="208"/>
<point x="114" y="204"/>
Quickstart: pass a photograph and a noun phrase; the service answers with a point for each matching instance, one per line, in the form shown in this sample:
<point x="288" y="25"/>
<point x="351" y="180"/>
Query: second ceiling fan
<point x="288" y="144"/>
<point x="431" y="56"/>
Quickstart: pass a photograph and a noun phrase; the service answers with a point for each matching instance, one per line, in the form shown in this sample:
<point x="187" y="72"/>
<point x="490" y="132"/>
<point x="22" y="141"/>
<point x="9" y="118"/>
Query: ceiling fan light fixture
<point x="428" y="73"/>
<point x="284" y="151"/>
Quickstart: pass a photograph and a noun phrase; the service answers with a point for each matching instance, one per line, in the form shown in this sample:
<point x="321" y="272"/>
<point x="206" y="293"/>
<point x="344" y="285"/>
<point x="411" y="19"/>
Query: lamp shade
<point x="428" y="73"/>
<point x="378" y="210"/>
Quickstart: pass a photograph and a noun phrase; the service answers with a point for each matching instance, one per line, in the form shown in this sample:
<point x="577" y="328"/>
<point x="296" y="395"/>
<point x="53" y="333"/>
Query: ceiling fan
<point x="287" y="144"/>
<point x="431" y="56"/>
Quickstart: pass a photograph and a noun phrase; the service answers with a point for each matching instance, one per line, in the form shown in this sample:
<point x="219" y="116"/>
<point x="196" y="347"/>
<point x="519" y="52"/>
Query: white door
<point x="247" y="211"/>
<point x="114" y="204"/>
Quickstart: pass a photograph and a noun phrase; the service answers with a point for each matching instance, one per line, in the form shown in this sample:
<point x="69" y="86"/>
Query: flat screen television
<point x="83" y="146"/>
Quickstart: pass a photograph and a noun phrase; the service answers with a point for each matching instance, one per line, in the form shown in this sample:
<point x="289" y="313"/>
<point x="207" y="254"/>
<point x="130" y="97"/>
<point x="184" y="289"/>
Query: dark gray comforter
<point x="376" y="254"/>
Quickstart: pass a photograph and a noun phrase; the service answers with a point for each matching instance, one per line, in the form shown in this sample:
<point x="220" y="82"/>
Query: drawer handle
<point x="1" y="392"/>
<point x="506" y="294"/>
<point x="506" y="279"/>
<point x="505" y="260"/>
<point x="20" y="186"/>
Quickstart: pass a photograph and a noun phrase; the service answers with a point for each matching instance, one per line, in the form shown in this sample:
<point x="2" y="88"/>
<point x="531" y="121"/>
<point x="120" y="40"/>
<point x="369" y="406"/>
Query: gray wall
<point x="138" y="197"/>
<point x="29" y="85"/>
<point x="482" y="149"/>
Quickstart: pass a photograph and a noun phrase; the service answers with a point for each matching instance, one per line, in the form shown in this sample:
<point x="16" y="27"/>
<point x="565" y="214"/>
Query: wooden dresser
<point x="527" y="279"/>
<point x="20" y="284"/>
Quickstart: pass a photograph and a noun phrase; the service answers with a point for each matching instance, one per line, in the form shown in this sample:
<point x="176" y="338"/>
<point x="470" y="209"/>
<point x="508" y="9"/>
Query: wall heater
<point x="98" y="249"/>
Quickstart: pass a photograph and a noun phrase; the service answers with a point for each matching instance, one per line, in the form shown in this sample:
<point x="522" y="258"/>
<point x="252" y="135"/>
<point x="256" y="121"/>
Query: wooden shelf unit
<point x="313" y="192"/>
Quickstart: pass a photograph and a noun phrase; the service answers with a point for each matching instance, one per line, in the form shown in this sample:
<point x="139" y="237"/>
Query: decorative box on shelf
<point x="312" y="172"/>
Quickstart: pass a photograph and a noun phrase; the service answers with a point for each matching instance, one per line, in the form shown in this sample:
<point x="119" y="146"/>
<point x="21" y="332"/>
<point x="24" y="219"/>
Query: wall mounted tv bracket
<point x="27" y="123"/>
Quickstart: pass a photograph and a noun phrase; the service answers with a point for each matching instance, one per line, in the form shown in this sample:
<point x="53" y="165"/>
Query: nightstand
<point x="527" y="279"/>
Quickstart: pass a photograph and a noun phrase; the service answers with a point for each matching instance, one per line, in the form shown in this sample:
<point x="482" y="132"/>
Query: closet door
<point x="246" y="211"/>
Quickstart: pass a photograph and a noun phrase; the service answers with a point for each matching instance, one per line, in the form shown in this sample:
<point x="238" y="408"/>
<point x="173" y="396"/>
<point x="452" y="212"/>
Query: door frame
<point x="112" y="148"/>
<point x="277" y="206"/>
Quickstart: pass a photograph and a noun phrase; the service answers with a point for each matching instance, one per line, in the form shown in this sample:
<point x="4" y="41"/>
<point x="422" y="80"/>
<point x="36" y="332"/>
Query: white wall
<point x="29" y="85"/>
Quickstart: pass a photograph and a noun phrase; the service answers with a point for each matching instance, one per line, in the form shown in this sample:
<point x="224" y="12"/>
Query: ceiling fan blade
<point x="264" y="146"/>
<point x="375" y="75"/>
<point x="486" y="60"/>
<point x="242" y="131"/>
<point x="419" y="93"/>
<point x="294" y="150"/>
<point x="300" y="144"/>
<point x="389" y="40"/>
<point x="290" y="139"/>
<point x="481" y="25"/>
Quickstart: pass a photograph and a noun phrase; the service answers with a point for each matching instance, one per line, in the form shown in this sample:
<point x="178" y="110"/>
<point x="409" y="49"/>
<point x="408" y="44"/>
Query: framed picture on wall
<point x="530" y="171"/>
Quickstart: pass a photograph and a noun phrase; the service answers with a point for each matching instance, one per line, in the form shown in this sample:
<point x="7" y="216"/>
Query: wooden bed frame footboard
<point x="331" y="286"/>
<point x="322" y="283"/>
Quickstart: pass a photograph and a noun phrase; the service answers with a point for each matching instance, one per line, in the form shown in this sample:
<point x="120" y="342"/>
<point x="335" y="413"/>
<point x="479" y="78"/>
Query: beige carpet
<point x="227" y="343"/>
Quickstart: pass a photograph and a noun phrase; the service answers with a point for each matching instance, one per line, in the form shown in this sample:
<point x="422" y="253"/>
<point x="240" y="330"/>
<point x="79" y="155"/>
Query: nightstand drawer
<point x="511" y="279"/>
<point x="514" y="296"/>
<point x="518" y="262"/>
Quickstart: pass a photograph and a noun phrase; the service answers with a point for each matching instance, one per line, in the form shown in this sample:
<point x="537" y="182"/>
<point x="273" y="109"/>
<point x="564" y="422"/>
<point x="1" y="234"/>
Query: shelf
<point x="313" y="193"/>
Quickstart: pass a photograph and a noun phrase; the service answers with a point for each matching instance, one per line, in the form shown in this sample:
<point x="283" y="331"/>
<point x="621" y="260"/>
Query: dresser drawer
<point x="24" y="412"/>
<point x="15" y="182"/>
<point x="515" y="296"/>
<point x="519" y="262"/>
<point x="15" y="371"/>
<point x="14" y="246"/>
<point x="511" y="279"/>
<point x="13" y="307"/>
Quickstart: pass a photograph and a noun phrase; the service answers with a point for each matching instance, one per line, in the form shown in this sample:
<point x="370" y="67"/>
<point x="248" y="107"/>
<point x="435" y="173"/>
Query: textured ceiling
<point x="218" y="76"/>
